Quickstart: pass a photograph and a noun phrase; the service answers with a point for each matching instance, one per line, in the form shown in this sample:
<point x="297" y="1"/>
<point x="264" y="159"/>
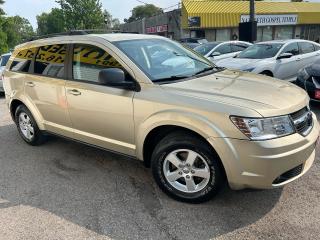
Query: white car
<point x="216" y="51"/>
<point x="3" y="62"/>
<point x="279" y="58"/>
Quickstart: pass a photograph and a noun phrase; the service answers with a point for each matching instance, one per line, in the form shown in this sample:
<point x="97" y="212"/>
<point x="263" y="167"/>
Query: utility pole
<point x="253" y="23"/>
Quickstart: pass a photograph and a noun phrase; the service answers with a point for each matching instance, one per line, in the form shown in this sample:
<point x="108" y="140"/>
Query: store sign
<point x="157" y="29"/>
<point x="270" y="20"/>
<point x="194" y="21"/>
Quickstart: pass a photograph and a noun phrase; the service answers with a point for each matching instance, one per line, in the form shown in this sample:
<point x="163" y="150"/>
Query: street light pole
<point x="252" y="21"/>
<point x="252" y="11"/>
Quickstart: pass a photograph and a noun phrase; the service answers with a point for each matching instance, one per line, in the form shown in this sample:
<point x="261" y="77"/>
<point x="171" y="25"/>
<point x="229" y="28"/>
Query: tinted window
<point x="306" y="47"/>
<point x="238" y="47"/>
<point x="50" y="60"/>
<point x="4" y="60"/>
<point x="316" y="47"/>
<point x="203" y="49"/>
<point x="22" y="60"/>
<point x="261" y="51"/>
<point x="291" y="48"/>
<point x="88" y="61"/>
<point x="224" y="49"/>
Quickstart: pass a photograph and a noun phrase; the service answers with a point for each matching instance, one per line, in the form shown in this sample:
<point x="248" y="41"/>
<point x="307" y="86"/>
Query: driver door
<point x="100" y="115"/>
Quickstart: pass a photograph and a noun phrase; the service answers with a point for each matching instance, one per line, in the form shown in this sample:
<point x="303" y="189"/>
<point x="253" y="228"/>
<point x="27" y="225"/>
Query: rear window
<point x="22" y="61"/>
<point x="50" y="60"/>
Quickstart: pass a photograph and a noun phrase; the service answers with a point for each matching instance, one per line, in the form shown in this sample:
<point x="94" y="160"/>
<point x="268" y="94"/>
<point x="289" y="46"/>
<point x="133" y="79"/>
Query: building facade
<point x="219" y="20"/>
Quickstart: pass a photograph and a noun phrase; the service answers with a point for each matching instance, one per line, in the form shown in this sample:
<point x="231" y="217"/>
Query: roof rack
<point x="72" y="33"/>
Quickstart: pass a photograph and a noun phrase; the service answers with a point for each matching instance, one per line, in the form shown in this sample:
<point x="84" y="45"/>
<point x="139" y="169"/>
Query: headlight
<point x="264" y="128"/>
<point x="248" y="69"/>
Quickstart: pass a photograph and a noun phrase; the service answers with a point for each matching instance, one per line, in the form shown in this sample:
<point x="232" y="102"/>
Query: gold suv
<point x="197" y="126"/>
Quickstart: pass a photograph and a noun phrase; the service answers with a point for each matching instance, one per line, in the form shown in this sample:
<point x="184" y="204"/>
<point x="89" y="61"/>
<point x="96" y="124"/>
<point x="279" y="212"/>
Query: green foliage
<point x="111" y="23"/>
<point x="17" y="29"/>
<point x="144" y="11"/>
<point x="52" y="22"/>
<point x="82" y="14"/>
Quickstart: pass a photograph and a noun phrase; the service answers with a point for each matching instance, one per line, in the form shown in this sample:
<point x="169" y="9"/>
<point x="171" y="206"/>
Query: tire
<point x="27" y="126"/>
<point x="172" y="179"/>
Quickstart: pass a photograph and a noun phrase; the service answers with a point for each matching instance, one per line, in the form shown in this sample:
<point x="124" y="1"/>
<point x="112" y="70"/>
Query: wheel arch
<point x="15" y="103"/>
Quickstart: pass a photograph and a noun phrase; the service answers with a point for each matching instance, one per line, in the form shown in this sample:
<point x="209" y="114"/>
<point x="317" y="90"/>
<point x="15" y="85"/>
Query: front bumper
<point x="258" y="164"/>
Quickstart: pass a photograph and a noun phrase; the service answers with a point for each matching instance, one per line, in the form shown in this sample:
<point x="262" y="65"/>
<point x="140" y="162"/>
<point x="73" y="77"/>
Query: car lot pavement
<point x="65" y="190"/>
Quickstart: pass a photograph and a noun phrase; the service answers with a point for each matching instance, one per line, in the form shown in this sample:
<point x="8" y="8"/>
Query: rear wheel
<point x="186" y="168"/>
<point x="27" y="126"/>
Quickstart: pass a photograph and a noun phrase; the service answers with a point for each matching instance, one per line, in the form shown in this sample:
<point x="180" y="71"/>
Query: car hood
<point x="265" y="95"/>
<point x="238" y="63"/>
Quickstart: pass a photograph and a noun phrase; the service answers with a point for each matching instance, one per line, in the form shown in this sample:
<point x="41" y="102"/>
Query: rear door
<point x="45" y="87"/>
<point x="100" y="115"/>
<point x="308" y="54"/>
<point x="287" y="68"/>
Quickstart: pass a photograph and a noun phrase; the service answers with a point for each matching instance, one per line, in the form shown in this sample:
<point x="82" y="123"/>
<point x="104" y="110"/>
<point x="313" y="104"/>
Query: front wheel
<point x="186" y="168"/>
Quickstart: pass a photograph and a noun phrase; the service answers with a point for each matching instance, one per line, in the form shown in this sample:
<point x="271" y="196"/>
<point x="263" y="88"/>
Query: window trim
<point x="283" y="48"/>
<point x="70" y="68"/>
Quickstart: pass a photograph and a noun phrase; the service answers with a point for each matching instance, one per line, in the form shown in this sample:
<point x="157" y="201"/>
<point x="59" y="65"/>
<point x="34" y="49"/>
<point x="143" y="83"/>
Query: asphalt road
<point x="65" y="190"/>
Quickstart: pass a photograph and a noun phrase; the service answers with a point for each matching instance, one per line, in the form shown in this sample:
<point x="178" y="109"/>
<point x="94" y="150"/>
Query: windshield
<point x="163" y="59"/>
<point x="261" y="51"/>
<point x="4" y="60"/>
<point x="205" y="48"/>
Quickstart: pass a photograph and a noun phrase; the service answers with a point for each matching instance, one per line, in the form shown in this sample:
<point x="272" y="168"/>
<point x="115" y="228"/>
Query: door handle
<point x="30" y="84"/>
<point x="298" y="59"/>
<point x="74" y="92"/>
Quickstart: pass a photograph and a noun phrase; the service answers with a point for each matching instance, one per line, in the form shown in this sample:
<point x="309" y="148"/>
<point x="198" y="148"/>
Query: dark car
<point x="309" y="79"/>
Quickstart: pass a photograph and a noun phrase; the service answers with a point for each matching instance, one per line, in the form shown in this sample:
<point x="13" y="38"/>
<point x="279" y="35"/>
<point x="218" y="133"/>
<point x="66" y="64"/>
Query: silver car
<point x="280" y="58"/>
<point x="3" y="62"/>
<point x="216" y="51"/>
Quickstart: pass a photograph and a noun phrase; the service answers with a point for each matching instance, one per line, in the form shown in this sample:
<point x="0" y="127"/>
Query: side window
<point x="50" y="60"/>
<point x="89" y="60"/>
<point x="316" y="47"/>
<point x="238" y="47"/>
<point x="306" y="47"/>
<point x="224" y="49"/>
<point x="291" y="48"/>
<point x="22" y="61"/>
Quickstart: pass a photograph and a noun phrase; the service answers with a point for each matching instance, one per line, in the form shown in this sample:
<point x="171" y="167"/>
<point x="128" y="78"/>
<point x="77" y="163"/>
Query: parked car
<point x="191" y="45"/>
<point x="280" y="58"/>
<point x="196" y="125"/>
<point x="216" y="51"/>
<point x="309" y="80"/>
<point x="3" y="62"/>
<point x="193" y="40"/>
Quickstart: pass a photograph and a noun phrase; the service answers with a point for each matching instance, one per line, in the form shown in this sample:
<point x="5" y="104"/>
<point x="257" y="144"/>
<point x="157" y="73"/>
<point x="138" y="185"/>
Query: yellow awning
<point x="219" y="14"/>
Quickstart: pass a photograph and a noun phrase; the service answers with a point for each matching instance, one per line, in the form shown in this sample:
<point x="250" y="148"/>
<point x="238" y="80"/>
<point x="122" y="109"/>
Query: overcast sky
<point x="118" y="8"/>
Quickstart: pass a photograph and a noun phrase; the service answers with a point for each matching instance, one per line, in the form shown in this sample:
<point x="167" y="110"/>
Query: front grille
<point x="302" y="121"/>
<point x="289" y="174"/>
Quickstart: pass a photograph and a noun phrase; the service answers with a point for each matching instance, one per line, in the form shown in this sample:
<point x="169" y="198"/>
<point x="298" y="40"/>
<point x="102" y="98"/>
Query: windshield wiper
<point x="171" y="78"/>
<point x="204" y="70"/>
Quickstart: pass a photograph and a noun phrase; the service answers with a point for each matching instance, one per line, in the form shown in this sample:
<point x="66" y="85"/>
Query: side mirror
<point x="215" y="54"/>
<point x="115" y="77"/>
<point x="285" y="55"/>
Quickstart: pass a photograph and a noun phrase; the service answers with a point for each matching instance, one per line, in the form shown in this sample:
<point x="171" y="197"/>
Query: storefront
<point x="219" y="20"/>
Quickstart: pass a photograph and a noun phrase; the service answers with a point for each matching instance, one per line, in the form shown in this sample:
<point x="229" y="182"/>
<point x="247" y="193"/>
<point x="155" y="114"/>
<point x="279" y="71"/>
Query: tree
<point x="82" y="14"/>
<point x="17" y="29"/>
<point x="111" y="23"/>
<point x="3" y="36"/>
<point x="52" y="22"/>
<point x="144" y="11"/>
